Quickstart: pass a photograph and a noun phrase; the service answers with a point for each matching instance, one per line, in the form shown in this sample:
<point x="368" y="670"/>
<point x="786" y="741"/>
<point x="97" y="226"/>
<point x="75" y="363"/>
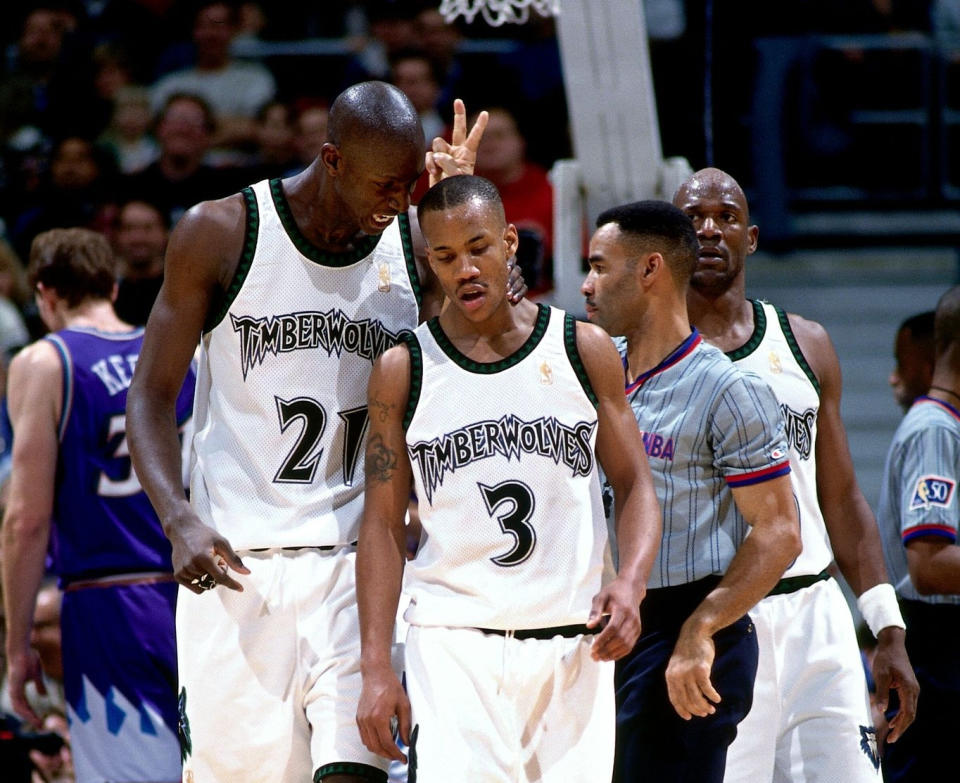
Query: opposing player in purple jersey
<point x="73" y="493"/>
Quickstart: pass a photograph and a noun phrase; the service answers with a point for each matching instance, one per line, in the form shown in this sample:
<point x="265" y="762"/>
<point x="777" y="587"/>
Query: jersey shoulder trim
<point x="409" y="339"/>
<point x="759" y="330"/>
<point x="795" y="348"/>
<point x="491" y="368"/>
<point x="251" y="230"/>
<point x="570" y="344"/>
<point x="406" y="241"/>
<point x="363" y="246"/>
<point x="66" y="368"/>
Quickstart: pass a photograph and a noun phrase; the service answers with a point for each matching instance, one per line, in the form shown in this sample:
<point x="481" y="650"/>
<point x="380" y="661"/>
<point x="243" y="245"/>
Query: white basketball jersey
<point x="507" y="483"/>
<point x="280" y="407"/>
<point x="772" y="353"/>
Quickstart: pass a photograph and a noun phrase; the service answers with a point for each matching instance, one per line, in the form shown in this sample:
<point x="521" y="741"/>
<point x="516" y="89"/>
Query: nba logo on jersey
<point x="932" y="491"/>
<point x="546" y="374"/>
<point x="775" y="365"/>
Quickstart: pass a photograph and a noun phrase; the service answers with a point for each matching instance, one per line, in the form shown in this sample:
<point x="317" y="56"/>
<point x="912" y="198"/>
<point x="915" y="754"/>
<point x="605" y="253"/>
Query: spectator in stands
<point x="13" y="328"/>
<point x="310" y="132"/>
<point x="914" y="355"/>
<point x="23" y="91"/>
<point x="275" y="154"/>
<point x="140" y="240"/>
<point x="180" y="178"/>
<point x="419" y="78"/>
<point x="441" y="40"/>
<point x="235" y="90"/>
<point x="526" y="192"/>
<point x="79" y="192"/>
<point x="390" y="29"/>
<point x="128" y="135"/>
<point x="54" y="767"/>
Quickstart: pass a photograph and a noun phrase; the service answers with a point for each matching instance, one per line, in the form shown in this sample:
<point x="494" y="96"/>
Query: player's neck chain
<point x="945" y="390"/>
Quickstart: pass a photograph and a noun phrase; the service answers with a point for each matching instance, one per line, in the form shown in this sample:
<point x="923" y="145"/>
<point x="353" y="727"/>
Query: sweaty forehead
<point x="713" y="190"/>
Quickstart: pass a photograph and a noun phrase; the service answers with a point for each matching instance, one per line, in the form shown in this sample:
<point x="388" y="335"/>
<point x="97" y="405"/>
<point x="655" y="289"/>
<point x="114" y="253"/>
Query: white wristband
<point x="880" y="609"/>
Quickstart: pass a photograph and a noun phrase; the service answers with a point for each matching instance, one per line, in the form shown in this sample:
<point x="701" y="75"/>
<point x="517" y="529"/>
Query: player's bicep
<point x="34" y="398"/>
<point x="199" y="251"/>
<point x="619" y="445"/>
<point x="767" y="503"/>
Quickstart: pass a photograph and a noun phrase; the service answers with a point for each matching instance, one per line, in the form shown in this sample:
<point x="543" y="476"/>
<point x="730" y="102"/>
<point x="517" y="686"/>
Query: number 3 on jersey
<point x="515" y="518"/>
<point x="300" y="464"/>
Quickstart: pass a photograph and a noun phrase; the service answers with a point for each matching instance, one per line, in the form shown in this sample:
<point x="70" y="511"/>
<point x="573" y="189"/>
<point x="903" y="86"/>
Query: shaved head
<point x="374" y="112"/>
<point x="714" y="182"/>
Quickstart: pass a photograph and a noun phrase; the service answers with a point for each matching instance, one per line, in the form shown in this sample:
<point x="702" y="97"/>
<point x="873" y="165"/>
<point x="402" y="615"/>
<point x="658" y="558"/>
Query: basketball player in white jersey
<point x="810" y="691"/>
<point x="293" y="287"/>
<point x="499" y="415"/>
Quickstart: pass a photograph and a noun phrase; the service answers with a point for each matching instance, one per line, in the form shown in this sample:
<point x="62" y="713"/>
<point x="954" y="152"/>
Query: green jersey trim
<point x="759" y="329"/>
<point x="409" y="339"/>
<point x="491" y="368"/>
<point x="795" y="349"/>
<point x="250" y="231"/>
<point x="570" y="343"/>
<point x="362" y="246"/>
<point x="406" y="240"/>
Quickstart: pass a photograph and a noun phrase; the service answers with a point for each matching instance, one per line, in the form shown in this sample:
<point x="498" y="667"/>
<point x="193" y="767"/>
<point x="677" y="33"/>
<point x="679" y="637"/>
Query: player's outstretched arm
<point x="850" y="523"/>
<point x="199" y="255"/>
<point x="35" y="399"/>
<point x="639" y="523"/>
<point x="381" y="554"/>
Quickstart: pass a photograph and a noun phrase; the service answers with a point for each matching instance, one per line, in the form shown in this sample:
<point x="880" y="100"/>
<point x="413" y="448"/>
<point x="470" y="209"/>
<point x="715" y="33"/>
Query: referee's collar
<point x="676" y="355"/>
<point x="950" y="409"/>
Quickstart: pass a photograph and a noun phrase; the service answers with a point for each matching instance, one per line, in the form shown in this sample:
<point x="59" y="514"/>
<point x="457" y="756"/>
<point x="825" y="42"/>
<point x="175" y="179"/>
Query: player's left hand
<point x="516" y="285"/>
<point x="688" y="675"/>
<point x="892" y="669"/>
<point x="459" y="156"/>
<point x="616" y="608"/>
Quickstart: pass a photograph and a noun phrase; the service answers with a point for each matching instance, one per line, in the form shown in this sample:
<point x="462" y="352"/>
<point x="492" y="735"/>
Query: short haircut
<point x="374" y="110"/>
<point x="658" y="226"/>
<point x="75" y="262"/>
<point x="920" y="326"/>
<point x="209" y="118"/>
<point x="460" y="189"/>
<point x="947" y="321"/>
<point x="162" y="215"/>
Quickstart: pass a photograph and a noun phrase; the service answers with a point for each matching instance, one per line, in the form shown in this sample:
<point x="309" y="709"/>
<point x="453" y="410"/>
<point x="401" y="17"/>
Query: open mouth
<point x="382" y="221"/>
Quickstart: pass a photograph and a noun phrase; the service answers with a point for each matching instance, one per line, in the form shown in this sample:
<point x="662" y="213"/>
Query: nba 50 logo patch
<point x="932" y="491"/>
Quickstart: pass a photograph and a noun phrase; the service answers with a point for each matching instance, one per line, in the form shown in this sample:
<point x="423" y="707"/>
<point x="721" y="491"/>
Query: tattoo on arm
<point x="382" y="409"/>
<point x="381" y="460"/>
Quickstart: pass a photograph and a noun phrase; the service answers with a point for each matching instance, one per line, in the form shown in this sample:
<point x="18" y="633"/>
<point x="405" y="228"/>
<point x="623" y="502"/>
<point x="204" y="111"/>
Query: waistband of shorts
<point x="326" y="548"/>
<point x="669" y="607"/>
<point x="120" y="580"/>
<point x="791" y="584"/>
<point x="567" y="631"/>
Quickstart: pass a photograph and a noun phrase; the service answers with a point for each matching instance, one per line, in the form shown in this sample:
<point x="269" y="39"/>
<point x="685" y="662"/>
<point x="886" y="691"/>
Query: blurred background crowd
<point x="118" y="115"/>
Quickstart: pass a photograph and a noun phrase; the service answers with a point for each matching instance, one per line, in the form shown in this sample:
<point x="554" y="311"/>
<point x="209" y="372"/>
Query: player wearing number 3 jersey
<point x="500" y="416"/>
<point x="293" y="287"/>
